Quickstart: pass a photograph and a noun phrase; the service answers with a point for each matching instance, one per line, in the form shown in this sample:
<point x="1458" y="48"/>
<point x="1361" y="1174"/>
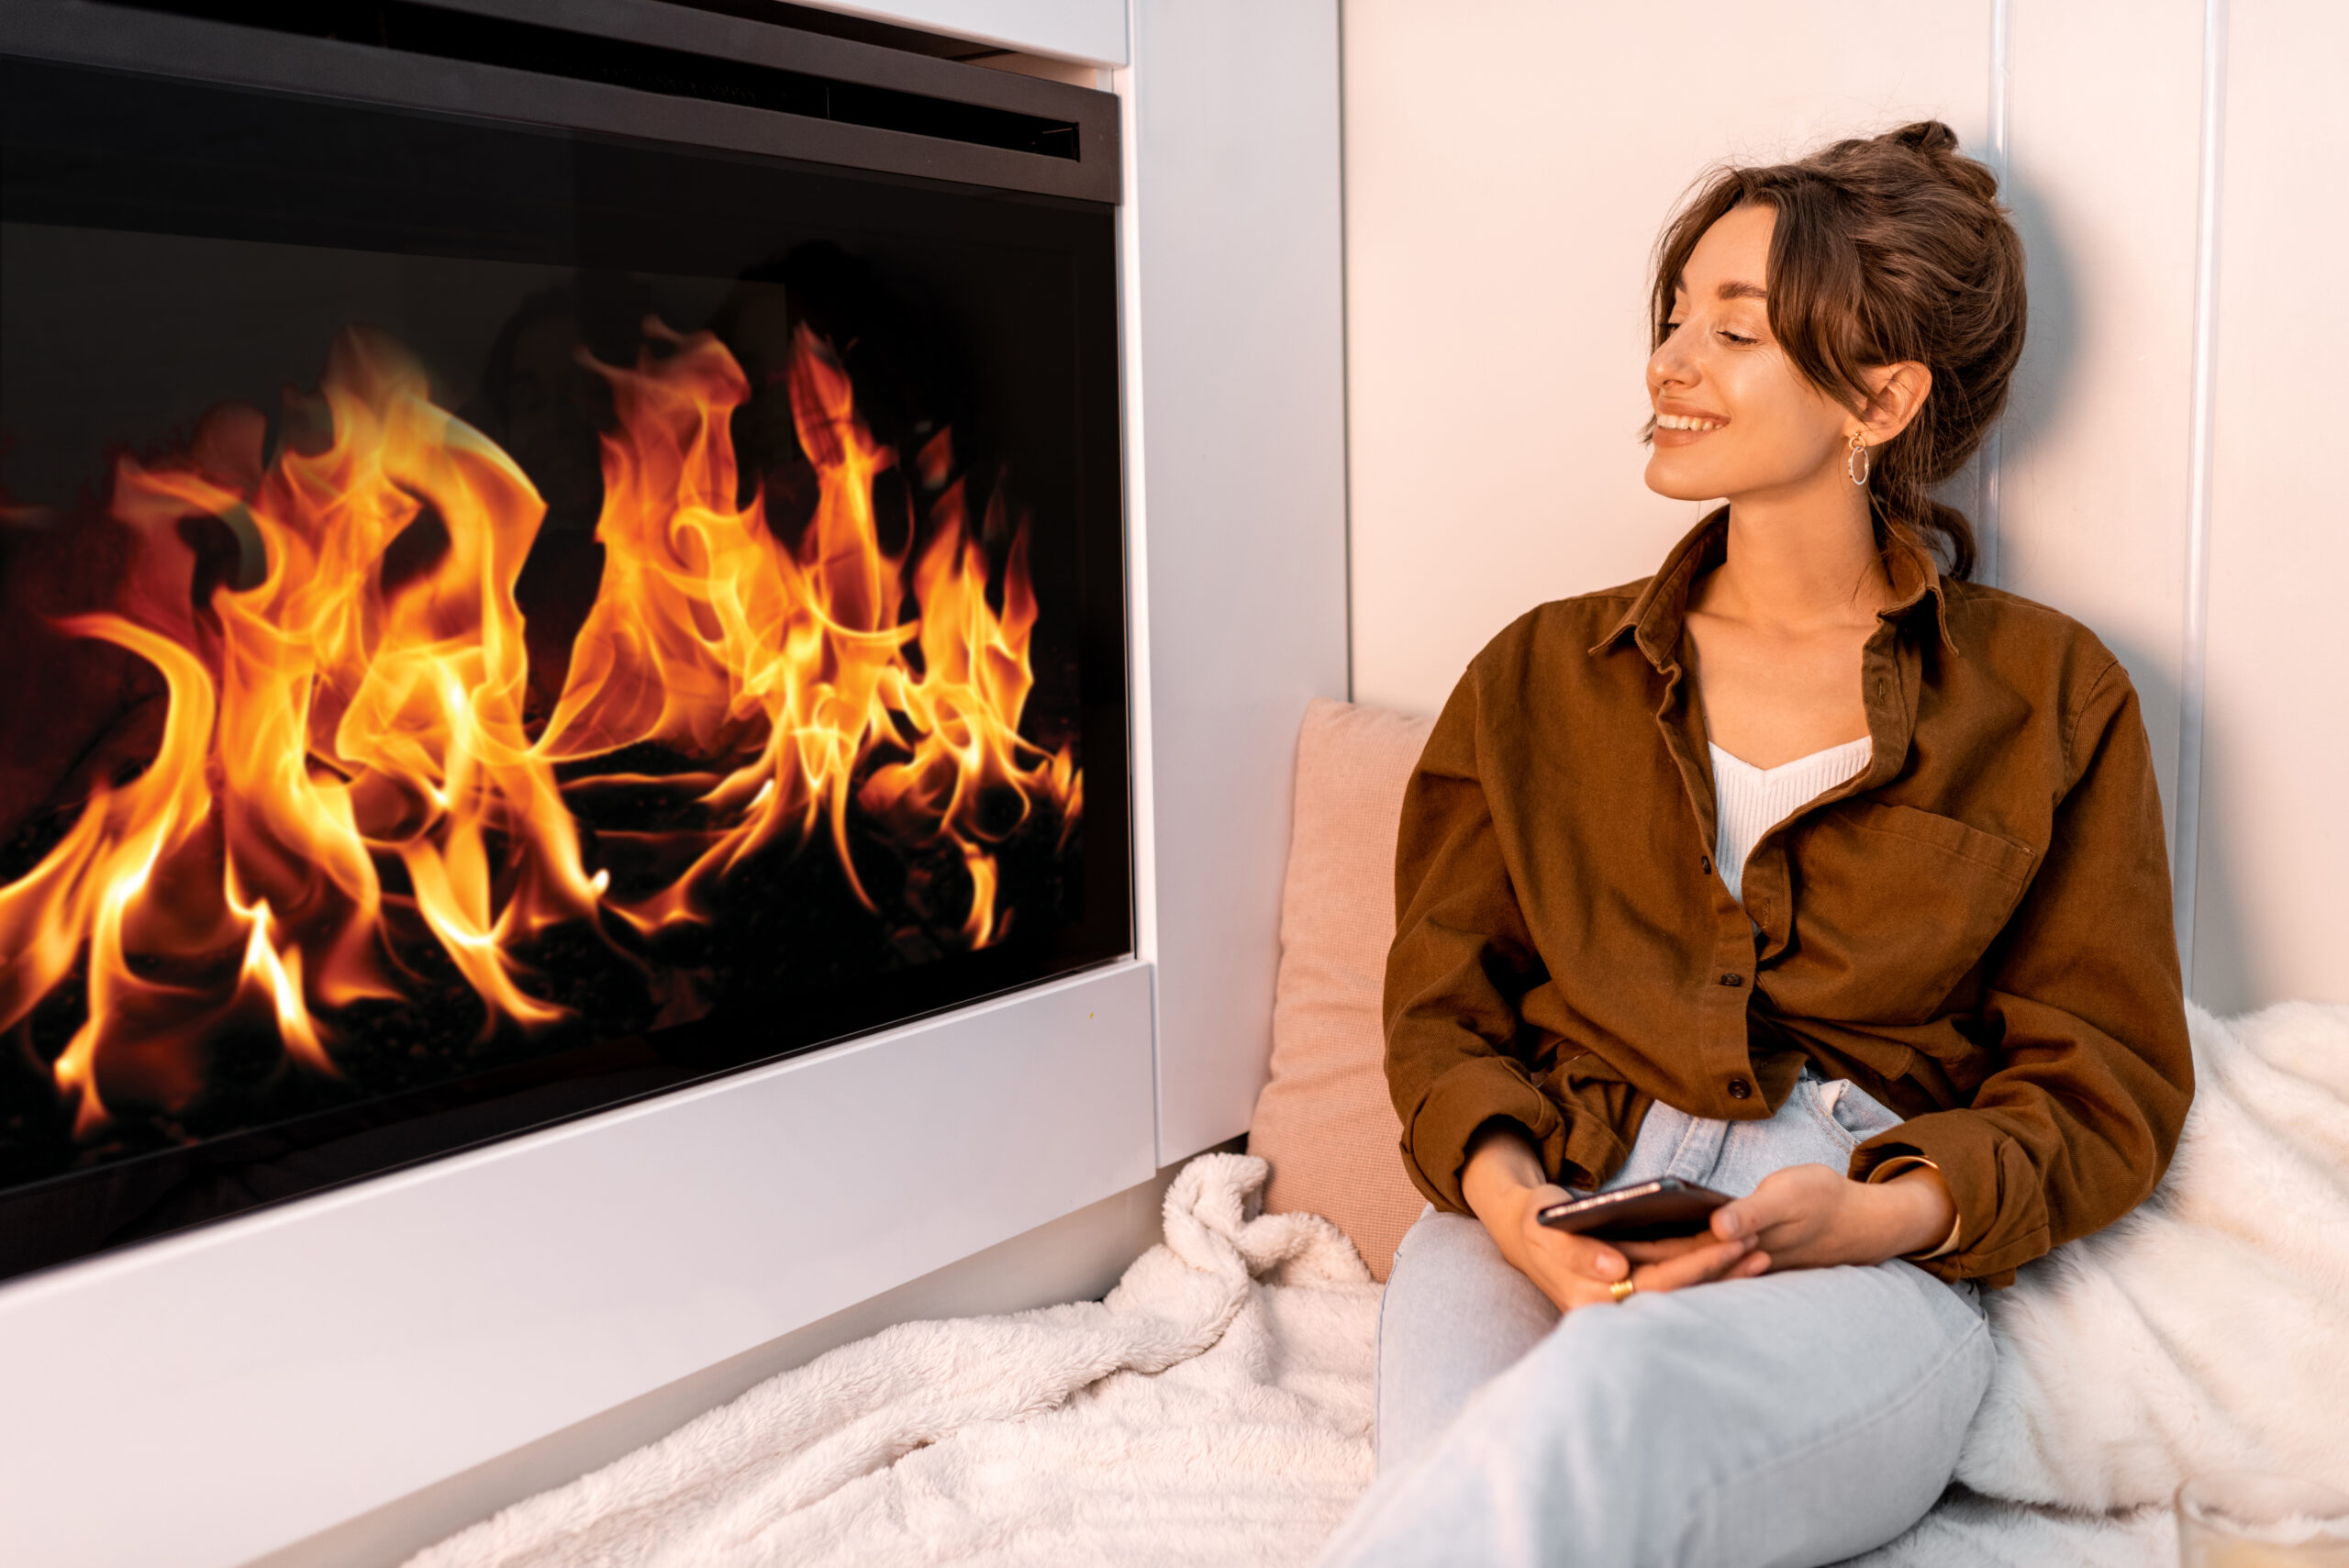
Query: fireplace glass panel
<point x="496" y="622"/>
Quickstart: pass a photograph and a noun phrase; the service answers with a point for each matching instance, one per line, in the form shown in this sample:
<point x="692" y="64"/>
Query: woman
<point x="1804" y="870"/>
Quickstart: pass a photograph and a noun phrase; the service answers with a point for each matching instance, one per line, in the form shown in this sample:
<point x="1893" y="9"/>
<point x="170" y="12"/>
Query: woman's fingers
<point x="1751" y="1266"/>
<point x="1784" y="1198"/>
<point x="1696" y="1266"/>
<point x="1671" y="1247"/>
<point x="1571" y="1271"/>
<point x="1580" y="1255"/>
<point x="1598" y="1261"/>
<point x="1748" y="1216"/>
<point x="1700" y="1265"/>
<point x="1563" y="1249"/>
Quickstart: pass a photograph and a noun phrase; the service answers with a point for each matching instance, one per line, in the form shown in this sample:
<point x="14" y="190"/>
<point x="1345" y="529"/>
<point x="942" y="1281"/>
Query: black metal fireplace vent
<point x="639" y="68"/>
<point x="555" y="47"/>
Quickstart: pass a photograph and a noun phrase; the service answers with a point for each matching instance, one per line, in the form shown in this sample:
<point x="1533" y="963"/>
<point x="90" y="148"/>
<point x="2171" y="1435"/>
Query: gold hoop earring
<point x="1856" y="463"/>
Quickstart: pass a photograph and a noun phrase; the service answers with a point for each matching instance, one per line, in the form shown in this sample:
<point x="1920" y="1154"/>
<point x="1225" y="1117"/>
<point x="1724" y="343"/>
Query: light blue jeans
<point x="1797" y="1418"/>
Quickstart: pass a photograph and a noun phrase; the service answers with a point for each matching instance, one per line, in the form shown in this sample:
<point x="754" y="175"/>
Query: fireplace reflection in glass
<point x="495" y="623"/>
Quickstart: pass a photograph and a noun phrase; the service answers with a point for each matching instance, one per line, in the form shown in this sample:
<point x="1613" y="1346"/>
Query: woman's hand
<point x="1814" y="1217"/>
<point x="1507" y="1188"/>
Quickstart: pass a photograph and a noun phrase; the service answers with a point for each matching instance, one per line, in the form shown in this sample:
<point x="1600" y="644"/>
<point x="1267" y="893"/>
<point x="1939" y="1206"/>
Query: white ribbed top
<point x="1753" y="800"/>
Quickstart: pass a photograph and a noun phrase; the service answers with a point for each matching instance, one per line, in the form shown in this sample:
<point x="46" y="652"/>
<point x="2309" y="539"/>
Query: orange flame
<point x="345" y="762"/>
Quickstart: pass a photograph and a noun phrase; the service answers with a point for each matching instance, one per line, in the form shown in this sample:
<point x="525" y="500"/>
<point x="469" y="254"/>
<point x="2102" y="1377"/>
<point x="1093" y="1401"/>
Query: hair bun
<point x="1931" y="138"/>
<point x="1937" y="144"/>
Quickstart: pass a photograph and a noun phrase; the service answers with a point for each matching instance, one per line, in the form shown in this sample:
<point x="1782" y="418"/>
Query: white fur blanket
<point x="1216" y="1408"/>
<point x="2211" y="1328"/>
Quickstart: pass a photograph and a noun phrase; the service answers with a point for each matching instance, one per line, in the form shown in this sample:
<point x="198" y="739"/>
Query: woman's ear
<point x="1899" y="395"/>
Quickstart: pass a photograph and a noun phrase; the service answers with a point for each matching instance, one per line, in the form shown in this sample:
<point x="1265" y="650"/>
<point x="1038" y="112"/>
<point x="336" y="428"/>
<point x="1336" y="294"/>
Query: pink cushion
<point x="1324" y="1120"/>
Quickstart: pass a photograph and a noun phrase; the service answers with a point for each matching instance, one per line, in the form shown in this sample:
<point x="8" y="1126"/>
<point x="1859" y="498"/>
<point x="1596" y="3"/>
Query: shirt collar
<point x="1657" y="615"/>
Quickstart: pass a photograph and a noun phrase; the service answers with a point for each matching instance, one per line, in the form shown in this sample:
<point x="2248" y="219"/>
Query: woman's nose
<point x="1669" y="365"/>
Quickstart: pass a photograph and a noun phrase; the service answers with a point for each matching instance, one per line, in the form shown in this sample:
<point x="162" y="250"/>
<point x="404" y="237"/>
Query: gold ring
<point x="1621" y="1291"/>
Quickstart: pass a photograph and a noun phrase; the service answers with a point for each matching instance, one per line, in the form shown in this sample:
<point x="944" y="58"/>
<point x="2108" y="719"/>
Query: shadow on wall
<point x="2045" y="380"/>
<point x="2222" y="972"/>
<point x="2051" y="355"/>
<point x="2051" y="360"/>
<point x="2157" y="692"/>
<point x="2226" y="976"/>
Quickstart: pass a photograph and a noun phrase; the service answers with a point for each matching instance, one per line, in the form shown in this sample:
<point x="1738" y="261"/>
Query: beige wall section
<point x="2102" y="145"/>
<point x="1508" y="165"/>
<point x="2271" y="918"/>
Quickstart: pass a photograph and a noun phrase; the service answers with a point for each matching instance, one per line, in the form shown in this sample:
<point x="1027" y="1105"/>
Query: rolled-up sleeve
<point x="1461" y="959"/>
<point x="2085" y="1018"/>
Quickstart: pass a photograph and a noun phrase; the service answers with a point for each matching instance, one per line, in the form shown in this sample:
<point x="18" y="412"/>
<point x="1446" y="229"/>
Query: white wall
<point x="2093" y="515"/>
<point x="1239" y="502"/>
<point x="2271" y="919"/>
<point x="1508" y="166"/>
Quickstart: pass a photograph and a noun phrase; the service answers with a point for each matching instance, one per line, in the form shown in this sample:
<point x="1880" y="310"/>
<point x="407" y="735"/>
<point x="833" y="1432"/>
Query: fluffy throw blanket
<point x="1216" y="1408"/>
<point x="2211" y="1328"/>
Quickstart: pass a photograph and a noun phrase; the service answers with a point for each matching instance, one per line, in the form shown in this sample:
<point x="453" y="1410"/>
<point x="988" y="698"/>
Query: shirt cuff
<point x="1999" y="1191"/>
<point x="1472" y="1092"/>
<point x="1895" y="1166"/>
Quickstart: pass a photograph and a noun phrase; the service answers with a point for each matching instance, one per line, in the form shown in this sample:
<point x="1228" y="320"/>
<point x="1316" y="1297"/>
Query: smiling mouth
<point x="1693" y="423"/>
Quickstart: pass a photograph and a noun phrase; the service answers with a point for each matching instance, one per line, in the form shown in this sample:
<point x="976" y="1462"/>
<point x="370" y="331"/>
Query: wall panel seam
<point x="1345" y="357"/>
<point x="2194" y="650"/>
<point x="1142" y="761"/>
<point x="1993" y="455"/>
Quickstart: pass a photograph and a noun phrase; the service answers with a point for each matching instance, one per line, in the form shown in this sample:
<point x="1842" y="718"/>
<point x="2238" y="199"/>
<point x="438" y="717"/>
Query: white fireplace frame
<point x="214" y="1395"/>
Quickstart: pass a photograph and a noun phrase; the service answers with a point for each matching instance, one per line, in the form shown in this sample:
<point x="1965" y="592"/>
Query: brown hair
<point x="1890" y="249"/>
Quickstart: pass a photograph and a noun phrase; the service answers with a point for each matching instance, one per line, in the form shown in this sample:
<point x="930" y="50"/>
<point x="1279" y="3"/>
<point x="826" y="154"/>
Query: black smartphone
<point x="1651" y="1211"/>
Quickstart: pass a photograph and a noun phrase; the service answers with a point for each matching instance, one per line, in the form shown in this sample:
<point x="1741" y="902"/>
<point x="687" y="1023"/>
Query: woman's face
<point x="1734" y="418"/>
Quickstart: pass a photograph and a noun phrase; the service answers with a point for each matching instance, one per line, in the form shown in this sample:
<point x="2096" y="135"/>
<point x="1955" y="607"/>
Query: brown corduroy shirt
<point x="1975" y="929"/>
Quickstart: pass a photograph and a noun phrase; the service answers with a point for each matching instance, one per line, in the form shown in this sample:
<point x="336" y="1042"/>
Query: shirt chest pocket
<point x="1892" y="906"/>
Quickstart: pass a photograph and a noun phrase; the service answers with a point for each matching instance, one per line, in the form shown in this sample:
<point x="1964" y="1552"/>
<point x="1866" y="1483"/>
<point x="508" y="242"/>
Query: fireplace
<point x="549" y="553"/>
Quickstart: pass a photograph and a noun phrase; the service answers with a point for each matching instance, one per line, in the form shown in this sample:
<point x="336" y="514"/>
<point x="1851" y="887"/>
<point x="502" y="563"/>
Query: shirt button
<point x="1739" y="1089"/>
<point x="1732" y="979"/>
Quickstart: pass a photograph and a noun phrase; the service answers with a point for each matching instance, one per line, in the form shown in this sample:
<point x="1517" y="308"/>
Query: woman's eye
<point x="1736" y="339"/>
